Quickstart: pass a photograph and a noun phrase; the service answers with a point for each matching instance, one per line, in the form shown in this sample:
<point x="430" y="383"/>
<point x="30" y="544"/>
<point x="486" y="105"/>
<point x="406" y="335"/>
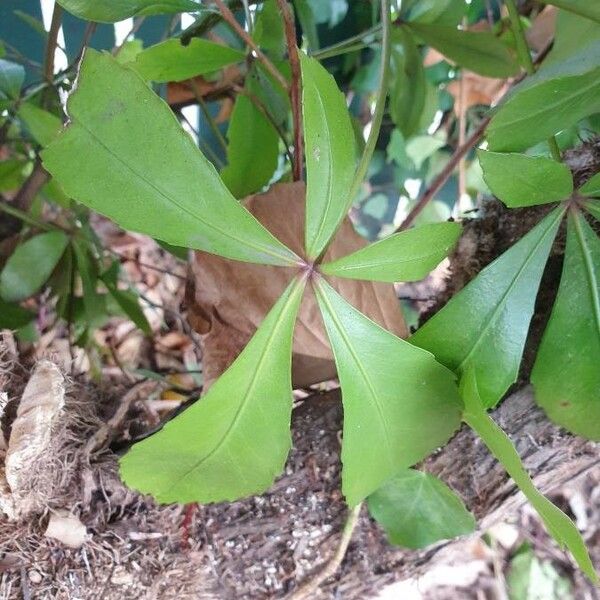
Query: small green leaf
<point x="43" y="125"/>
<point x="268" y="29"/>
<point x="233" y="442"/>
<point x="416" y="509"/>
<point x="172" y="61"/>
<point x="13" y="317"/>
<point x="406" y="256"/>
<point x="12" y="76"/>
<point x="480" y="52"/>
<point x="593" y="207"/>
<point x="93" y="303"/>
<point x="253" y="149"/>
<point x="407" y="86"/>
<point x="399" y="403"/>
<point x="12" y="173"/>
<point x="117" y="10"/>
<point x="30" y="265"/>
<point x="520" y="180"/>
<point x="566" y="374"/>
<point x="532" y="579"/>
<point x="330" y="155"/>
<point x="485" y="325"/>
<point x="560" y="527"/>
<point x="112" y="158"/>
<point x="128" y="301"/>
<point x="584" y="8"/>
<point x="553" y="99"/>
<point x="592" y="186"/>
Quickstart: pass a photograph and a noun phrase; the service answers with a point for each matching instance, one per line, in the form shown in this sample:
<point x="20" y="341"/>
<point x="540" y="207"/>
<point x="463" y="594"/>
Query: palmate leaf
<point x="125" y="155"/>
<point x="233" y="442"/>
<point x="556" y="97"/>
<point x="30" y="265"/>
<point x="478" y="51"/>
<point x="591" y="187"/>
<point x="485" y="325"/>
<point x="416" y="509"/>
<point x="399" y="402"/>
<point x="330" y="152"/>
<point x="521" y="180"/>
<point x="406" y="256"/>
<point x="117" y="10"/>
<point x="566" y="374"/>
<point x="172" y="61"/>
<point x="560" y="527"/>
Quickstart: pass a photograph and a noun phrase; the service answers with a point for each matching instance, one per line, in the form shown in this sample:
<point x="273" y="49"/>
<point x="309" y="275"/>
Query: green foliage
<point x="233" y="442"/>
<point x="407" y="256"/>
<point x="416" y="509"/>
<point x="172" y="61"/>
<point x="12" y="316"/>
<point x="591" y="187"/>
<point x="533" y="179"/>
<point x="484" y="326"/>
<point x="330" y="155"/>
<point x="481" y="52"/>
<point x="399" y="403"/>
<point x="109" y="134"/>
<point x="12" y="76"/>
<point x="31" y="264"/>
<point x="554" y="98"/>
<point x="43" y="125"/>
<point x="590" y="10"/>
<point x="558" y="524"/>
<point x="117" y="10"/>
<point x="571" y="342"/>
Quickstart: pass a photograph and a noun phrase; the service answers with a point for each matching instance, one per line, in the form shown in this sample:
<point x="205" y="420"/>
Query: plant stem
<point x="229" y="17"/>
<point x="23" y="216"/>
<point x="308" y="589"/>
<point x="52" y="42"/>
<point x="365" y="159"/>
<point x="443" y="176"/>
<point x="356" y="42"/>
<point x="295" y="87"/>
<point x="526" y="60"/>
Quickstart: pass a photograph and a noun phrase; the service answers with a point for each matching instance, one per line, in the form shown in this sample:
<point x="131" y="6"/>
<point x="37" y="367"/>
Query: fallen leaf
<point x="67" y="529"/>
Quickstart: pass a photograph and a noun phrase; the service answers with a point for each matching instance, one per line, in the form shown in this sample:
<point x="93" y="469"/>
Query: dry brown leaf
<point x="38" y="413"/>
<point x="227" y="300"/>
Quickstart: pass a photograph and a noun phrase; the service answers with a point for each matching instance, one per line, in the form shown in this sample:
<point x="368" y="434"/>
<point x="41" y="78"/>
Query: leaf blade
<point x="406" y="256"/>
<point x="330" y="155"/>
<point x="111" y="12"/>
<point x="533" y="179"/>
<point x="229" y="444"/>
<point x="461" y="335"/>
<point x="181" y="201"/>
<point x="417" y="509"/>
<point x="565" y="375"/>
<point x="382" y="433"/>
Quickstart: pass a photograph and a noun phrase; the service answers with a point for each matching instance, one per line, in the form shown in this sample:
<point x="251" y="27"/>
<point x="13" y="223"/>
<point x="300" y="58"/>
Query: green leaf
<point x="43" y="125"/>
<point x="485" y="325"/>
<point x="422" y="147"/>
<point x="520" y="180"/>
<point x="113" y="158"/>
<point x="30" y="265"/>
<point x="12" y="173"/>
<point x="268" y="29"/>
<point x="406" y="256"/>
<point x="572" y="34"/>
<point x="553" y="99"/>
<point x="593" y="207"/>
<point x="399" y="403"/>
<point x="233" y="442"/>
<point x="407" y="86"/>
<point x="532" y="579"/>
<point x="172" y="61"/>
<point x="253" y="149"/>
<point x="480" y="52"/>
<point x="128" y="301"/>
<point x="330" y="155"/>
<point x="592" y="186"/>
<point x="566" y="374"/>
<point x="12" y="76"/>
<point x="93" y="303"/>
<point x="584" y="8"/>
<point x="117" y="10"/>
<point x="560" y="527"/>
<point x="416" y="509"/>
<point x="13" y="317"/>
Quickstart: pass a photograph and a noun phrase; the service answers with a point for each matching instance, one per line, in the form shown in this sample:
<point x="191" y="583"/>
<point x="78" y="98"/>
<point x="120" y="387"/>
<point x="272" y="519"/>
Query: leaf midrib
<point x="505" y="295"/>
<point x="223" y="232"/>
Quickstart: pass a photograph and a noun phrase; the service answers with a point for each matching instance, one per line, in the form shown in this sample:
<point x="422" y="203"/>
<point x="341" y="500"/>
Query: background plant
<point x="119" y="134"/>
